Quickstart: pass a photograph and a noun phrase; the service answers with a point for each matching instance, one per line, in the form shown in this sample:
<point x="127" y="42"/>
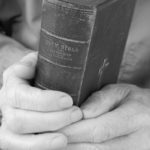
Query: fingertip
<point x="65" y="101"/>
<point x="26" y="67"/>
<point x="23" y="71"/>
<point x="76" y="114"/>
<point x="30" y="59"/>
<point x="59" y="100"/>
<point x="30" y="55"/>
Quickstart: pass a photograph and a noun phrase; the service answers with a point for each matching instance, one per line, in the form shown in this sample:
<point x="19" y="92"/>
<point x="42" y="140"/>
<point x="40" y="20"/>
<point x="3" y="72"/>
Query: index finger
<point x="30" y="98"/>
<point x="19" y="94"/>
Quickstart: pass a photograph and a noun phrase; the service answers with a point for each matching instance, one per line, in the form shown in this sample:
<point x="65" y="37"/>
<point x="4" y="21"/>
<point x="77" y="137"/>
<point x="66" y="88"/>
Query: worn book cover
<point x="82" y="44"/>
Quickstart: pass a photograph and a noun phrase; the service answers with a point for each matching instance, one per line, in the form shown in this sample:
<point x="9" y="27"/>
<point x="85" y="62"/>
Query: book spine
<point x="64" y="42"/>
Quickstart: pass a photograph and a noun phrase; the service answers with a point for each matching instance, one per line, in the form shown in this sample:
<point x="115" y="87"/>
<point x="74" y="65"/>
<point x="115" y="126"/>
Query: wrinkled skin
<point x="28" y="110"/>
<point x="115" y="118"/>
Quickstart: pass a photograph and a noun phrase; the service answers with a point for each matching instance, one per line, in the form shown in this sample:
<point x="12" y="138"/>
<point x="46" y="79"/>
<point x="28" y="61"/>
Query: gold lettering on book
<point x="60" y="50"/>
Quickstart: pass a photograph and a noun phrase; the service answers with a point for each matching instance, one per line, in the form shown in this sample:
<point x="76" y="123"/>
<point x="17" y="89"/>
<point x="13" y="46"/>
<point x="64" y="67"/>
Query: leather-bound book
<point x="82" y="44"/>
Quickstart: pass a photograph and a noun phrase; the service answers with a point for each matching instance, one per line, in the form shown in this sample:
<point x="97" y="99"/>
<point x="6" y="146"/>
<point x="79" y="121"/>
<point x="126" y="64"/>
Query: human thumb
<point x="105" y="100"/>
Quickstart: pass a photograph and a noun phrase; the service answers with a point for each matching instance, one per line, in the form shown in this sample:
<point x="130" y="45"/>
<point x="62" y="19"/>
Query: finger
<point x="105" y="100"/>
<point x="135" y="141"/>
<point x="47" y="141"/>
<point x="21" y="95"/>
<point x="121" y="143"/>
<point x="122" y="121"/>
<point x="20" y="121"/>
<point x="22" y="70"/>
<point x="30" y="98"/>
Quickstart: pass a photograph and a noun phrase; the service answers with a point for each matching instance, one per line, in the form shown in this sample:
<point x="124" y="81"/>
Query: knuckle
<point x="16" y="96"/>
<point x="11" y="121"/>
<point x="121" y="90"/>
<point x="99" y="135"/>
<point x="42" y="103"/>
<point x="12" y="96"/>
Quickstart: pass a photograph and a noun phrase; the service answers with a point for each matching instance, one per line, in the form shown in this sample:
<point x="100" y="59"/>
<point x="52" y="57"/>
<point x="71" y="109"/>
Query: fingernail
<point x="66" y="102"/>
<point x="59" y="142"/>
<point x="76" y="114"/>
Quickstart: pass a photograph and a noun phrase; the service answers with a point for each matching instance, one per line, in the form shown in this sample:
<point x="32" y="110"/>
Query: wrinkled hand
<point x="28" y="110"/>
<point x="116" y="118"/>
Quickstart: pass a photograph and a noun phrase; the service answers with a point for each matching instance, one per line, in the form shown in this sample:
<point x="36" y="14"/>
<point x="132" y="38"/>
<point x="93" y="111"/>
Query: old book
<point x="81" y="44"/>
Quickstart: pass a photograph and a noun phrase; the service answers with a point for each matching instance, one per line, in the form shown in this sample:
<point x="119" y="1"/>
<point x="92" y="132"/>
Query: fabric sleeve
<point x="135" y="68"/>
<point x="27" y="30"/>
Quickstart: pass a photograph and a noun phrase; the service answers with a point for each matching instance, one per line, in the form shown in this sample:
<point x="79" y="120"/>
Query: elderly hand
<point x="31" y="116"/>
<point x="116" y="118"/>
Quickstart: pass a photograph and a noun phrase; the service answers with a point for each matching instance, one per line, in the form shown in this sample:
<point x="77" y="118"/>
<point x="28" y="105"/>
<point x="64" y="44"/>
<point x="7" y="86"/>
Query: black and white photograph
<point x="74" y="74"/>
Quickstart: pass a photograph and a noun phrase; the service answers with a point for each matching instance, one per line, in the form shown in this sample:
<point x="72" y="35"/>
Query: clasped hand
<point x="115" y="118"/>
